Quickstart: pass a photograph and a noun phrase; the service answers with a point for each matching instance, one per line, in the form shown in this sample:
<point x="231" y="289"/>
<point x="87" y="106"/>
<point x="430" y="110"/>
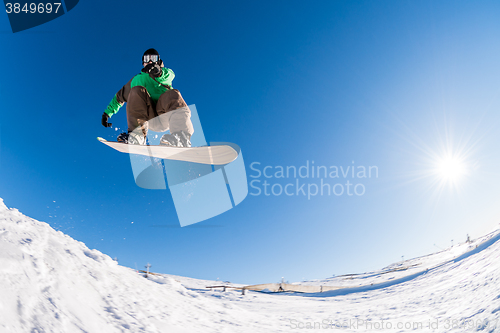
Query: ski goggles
<point x="150" y="57"/>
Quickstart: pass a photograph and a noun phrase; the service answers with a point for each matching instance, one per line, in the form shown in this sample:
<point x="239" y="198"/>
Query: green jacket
<point x="154" y="88"/>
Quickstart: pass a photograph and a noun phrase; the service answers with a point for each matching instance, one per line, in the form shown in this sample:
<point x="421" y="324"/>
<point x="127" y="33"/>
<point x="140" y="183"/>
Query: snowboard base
<point x="215" y="155"/>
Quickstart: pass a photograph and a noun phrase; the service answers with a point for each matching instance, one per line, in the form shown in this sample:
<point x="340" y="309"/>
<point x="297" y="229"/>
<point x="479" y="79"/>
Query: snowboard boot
<point x="131" y="138"/>
<point x="123" y="137"/>
<point x="177" y="139"/>
<point x="183" y="138"/>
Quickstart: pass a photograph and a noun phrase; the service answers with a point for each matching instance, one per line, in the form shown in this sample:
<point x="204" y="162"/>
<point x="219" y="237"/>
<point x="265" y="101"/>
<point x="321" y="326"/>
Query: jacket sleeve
<point x="119" y="99"/>
<point x="167" y="76"/>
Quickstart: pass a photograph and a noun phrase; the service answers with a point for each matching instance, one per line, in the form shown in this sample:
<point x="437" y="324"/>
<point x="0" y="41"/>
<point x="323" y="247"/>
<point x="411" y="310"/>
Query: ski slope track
<point x="50" y="282"/>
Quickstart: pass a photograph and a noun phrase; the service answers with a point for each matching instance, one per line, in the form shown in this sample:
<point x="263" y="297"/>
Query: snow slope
<point x="410" y="268"/>
<point x="50" y="282"/>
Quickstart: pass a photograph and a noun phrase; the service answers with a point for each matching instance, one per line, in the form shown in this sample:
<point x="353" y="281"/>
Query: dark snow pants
<point x="169" y="113"/>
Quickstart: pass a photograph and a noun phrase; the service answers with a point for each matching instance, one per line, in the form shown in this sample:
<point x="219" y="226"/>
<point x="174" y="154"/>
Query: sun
<point x="451" y="168"/>
<point x="443" y="161"/>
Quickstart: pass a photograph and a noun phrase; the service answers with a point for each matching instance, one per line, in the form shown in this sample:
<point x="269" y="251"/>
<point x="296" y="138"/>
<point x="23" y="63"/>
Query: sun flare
<point x="451" y="168"/>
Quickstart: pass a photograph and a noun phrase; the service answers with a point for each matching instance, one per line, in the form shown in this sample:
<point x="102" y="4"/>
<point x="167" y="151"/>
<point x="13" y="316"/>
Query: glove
<point x="104" y="120"/>
<point x="152" y="69"/>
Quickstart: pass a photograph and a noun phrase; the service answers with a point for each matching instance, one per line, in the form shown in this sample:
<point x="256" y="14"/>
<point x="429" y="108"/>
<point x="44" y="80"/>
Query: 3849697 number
<point x="32" y="8"/>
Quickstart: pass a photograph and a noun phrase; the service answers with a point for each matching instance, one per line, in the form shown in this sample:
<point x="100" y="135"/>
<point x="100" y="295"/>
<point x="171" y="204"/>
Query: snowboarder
<point x="152" y="103"/>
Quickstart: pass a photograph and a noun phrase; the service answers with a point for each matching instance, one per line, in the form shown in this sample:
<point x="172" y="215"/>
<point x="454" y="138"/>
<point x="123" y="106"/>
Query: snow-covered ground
<point x="50" y="282"/>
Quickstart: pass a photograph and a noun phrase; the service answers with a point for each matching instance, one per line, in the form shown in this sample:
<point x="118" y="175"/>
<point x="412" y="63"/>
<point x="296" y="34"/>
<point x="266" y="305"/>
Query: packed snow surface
<point x="50" y="282"/>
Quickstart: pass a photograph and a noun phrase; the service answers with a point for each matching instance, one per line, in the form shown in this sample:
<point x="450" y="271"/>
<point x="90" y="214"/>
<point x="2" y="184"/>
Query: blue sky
<point x="396" y="85"/>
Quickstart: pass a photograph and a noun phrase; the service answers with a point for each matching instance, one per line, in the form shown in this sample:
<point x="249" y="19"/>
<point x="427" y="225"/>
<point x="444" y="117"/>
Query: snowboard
<point x="216" y="155"/>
